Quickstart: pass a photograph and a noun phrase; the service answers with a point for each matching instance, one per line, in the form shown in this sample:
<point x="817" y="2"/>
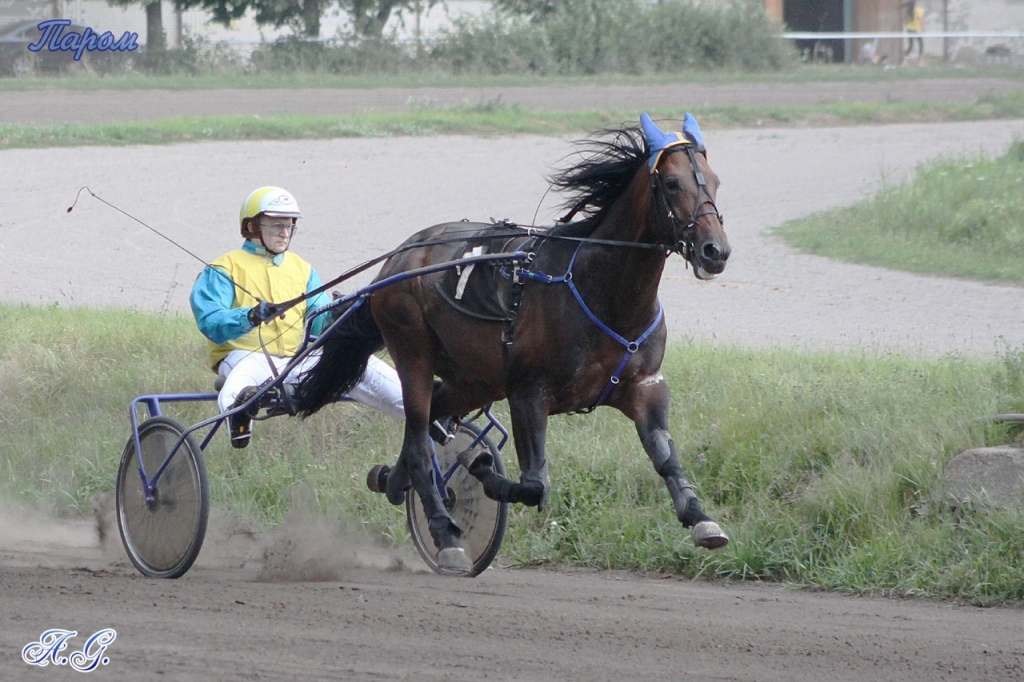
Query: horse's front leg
<point x="647" y="405"/>
<point x="530" y="429"/>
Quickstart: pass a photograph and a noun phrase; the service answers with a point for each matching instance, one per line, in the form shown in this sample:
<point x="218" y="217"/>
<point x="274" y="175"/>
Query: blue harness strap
<point x="630" y="346"/>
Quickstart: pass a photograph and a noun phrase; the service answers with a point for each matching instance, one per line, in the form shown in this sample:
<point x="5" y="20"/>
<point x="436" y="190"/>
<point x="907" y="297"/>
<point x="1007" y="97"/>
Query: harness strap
<point x="631" y="346"/>
<point x="516" y="278"/>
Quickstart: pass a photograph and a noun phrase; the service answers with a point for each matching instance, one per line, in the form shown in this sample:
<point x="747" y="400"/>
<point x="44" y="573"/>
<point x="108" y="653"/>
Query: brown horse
<point x="577" y="326"/>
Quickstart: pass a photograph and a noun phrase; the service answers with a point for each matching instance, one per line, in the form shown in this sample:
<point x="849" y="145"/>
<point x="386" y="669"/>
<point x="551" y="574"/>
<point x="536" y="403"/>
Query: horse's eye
<point x="672" y="184"/>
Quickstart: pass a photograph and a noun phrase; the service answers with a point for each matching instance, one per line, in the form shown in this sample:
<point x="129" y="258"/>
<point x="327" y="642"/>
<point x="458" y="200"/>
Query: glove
<point x="261" y="313"/>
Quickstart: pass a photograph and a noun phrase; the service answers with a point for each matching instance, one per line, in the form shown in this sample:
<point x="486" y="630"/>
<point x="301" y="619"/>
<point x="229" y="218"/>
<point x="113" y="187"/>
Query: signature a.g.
<point x="52" y="645"/>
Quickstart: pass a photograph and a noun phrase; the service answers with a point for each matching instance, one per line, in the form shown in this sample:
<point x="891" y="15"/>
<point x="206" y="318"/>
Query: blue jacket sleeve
<point x="318" y="301"/>
<point x="212" y="298"/>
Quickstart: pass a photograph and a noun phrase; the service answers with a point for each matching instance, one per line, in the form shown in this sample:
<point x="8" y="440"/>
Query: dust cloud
<point x="305" y="547"/>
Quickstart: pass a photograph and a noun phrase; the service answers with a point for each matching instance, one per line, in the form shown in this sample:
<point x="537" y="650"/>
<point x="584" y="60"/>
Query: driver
<point x="229" y="301"/>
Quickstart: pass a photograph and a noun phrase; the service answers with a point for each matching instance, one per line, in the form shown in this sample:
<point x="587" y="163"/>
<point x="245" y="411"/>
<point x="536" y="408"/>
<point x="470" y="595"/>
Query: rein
<point x="513" y="231"/>
<point x="515" y="257"/>
<point x="278" y="308"/>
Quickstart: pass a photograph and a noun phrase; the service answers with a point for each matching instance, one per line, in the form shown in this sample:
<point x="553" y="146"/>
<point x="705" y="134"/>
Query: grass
<point x="823" y="466"/>
<point x="231" y="79"/>
<point x="483" y="120"/>
<point x="488" y="118"/>
<point x="959" y="217"/>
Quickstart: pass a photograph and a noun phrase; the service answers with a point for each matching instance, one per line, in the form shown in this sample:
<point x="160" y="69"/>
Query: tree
<point x="302" y="15"/>
<point x="535" y="10"/>
<point x="156" y="40"/>
<point x="368" y="16"/>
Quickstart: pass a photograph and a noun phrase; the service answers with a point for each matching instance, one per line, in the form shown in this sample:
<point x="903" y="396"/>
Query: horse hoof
<point x="530" y="480"/>
<point x="453" y="561"/>
<point x="475" y="456"/>
<point x="709" y="535"/>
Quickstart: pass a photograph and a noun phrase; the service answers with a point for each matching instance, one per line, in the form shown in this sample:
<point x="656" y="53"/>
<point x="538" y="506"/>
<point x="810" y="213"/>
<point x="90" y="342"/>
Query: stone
<point x="991" y="476"/>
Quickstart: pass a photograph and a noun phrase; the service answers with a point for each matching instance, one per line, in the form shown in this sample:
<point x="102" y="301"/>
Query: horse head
<point x="684" y="189"/>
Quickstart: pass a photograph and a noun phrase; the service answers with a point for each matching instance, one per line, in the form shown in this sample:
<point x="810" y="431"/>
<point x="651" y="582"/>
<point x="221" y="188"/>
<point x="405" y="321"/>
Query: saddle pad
<point x="479" y="289"/>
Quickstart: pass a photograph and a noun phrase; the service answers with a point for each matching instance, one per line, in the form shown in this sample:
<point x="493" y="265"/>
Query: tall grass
<point x="578" y="38"/>
<point x="962" y="217"/>
<point x="823" y="466"/>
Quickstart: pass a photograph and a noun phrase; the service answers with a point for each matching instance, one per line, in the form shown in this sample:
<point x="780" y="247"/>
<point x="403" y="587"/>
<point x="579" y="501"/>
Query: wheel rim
<point x="163" y="535"/>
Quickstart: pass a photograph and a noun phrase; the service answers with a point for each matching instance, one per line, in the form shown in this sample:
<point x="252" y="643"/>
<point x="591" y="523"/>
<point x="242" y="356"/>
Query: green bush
<point x="684" y="35"/>
<point x="584" y="37"/>
<point x="617" y="36"/>
<point x="345" y="55"/>
<point x="197" y="56"/>
<point x="494" y="44"/>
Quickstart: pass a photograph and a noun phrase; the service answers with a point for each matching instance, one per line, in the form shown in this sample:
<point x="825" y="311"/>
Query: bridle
<point x="684" y="234"/>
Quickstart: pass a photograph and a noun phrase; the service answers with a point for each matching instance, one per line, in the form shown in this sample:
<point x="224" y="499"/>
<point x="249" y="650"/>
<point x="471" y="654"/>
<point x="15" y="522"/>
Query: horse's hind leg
<point x="407" y="340"/>
<point x="529" y="428"/>
<point x="451" y="557"/>
<point x="648" y="408"/>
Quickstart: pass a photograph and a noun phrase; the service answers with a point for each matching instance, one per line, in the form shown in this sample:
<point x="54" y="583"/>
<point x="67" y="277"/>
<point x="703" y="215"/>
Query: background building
<point x="866" y="16"/>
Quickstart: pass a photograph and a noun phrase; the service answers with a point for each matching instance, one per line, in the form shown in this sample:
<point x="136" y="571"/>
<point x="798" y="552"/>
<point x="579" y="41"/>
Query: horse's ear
<point x="657" y="140"/>
<point x="652" y="132"/>
<point x="692" y="131"/>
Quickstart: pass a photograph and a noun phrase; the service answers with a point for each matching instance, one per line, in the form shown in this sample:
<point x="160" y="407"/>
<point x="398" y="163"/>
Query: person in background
<point x="232" y="302"/>
<point x="914" y="24"/>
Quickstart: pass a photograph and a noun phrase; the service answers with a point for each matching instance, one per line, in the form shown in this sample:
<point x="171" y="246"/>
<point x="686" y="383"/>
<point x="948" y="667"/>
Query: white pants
<point x="379" y="388"/>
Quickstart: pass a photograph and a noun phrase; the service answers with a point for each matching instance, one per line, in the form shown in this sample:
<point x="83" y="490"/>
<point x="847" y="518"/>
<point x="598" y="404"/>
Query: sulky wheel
<point x="163" y="535"/>
<point x="481" y="519"/>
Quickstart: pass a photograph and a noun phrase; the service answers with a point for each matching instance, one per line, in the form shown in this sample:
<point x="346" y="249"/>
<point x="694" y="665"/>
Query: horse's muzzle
<point x="708" y="259"/>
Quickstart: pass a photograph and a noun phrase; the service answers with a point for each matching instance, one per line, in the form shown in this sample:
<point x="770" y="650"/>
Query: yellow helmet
<point x="271" y="201"/>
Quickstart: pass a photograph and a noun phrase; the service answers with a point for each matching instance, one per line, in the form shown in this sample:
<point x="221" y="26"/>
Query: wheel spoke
<point x="163" y="538"/>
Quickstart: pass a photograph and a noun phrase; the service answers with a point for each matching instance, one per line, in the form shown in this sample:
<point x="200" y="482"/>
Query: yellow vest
<point x="257" y="275"/>
<point x="916" y="22"/>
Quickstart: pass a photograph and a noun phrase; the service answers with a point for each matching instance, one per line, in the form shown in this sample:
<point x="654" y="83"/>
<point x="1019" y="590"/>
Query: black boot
<point x="240" y="424"/>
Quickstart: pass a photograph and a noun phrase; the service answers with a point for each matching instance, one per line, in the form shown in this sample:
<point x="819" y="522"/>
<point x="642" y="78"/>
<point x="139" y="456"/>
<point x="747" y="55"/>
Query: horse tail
<point x="343" y="362"/>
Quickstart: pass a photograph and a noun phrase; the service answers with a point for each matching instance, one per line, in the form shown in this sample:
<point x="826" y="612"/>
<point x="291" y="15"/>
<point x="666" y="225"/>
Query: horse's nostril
<point x="712" y="252"/>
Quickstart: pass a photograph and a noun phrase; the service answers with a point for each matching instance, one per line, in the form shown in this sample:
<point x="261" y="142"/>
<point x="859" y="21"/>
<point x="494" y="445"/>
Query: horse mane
<point x="606" y="169"/>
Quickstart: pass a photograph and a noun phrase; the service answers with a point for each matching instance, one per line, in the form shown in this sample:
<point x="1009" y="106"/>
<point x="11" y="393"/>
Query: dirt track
<point x="35" y="108"/>
<point x="229" y="619"/>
